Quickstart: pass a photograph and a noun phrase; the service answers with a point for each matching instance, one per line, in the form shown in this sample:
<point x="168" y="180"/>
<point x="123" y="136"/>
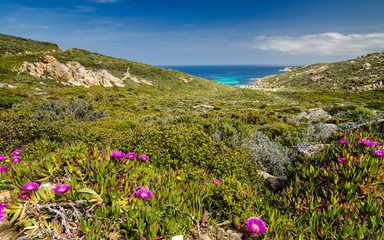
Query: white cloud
<point x="329" y="43"/>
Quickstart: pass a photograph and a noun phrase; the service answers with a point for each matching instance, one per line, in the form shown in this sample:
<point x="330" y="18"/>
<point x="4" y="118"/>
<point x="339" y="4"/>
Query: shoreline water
<point x="232" y="75"/>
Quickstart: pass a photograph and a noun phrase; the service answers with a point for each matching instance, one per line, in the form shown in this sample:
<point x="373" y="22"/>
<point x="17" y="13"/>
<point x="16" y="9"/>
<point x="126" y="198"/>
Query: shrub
<point x="267" y="155"/>
<point x="77" y="110"/>
<point x="186" y="146"/>
<point x="8" y="101"/>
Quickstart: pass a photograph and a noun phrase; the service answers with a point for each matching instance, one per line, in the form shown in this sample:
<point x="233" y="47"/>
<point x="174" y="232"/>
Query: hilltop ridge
<point x="359" y="74"/>
<point x="80" y="67"/>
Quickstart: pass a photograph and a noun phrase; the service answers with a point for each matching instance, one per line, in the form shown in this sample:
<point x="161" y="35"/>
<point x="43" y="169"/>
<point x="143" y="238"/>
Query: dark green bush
<point x="185" y="146"/>
<point x="8" y="101"/>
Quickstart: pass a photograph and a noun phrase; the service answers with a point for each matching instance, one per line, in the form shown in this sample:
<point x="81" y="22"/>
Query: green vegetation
<point x="14" y="45"/>
<point x="198" y="128"/>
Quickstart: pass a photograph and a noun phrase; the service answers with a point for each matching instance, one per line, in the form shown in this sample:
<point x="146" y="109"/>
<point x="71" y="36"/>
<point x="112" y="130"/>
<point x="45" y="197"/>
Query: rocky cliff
<point x="75" y="74"/>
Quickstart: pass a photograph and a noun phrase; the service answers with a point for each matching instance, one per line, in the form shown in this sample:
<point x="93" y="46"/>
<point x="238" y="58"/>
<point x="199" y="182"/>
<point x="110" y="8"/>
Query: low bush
<point x="268" y="155"/>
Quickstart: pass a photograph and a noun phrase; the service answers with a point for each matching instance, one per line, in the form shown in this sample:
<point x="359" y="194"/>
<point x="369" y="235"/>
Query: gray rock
<point x="367" y="66"/>
<point x="312" y="150"/>
<point x="314" y="114"/>
<point x="380" y="128"/>
<point x="274" y="182"/>
<point x="327" y="129"/>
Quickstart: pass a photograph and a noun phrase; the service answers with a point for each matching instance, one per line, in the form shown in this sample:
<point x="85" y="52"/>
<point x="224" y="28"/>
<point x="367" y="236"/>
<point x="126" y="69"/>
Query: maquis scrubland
<point x="96" y="147"/>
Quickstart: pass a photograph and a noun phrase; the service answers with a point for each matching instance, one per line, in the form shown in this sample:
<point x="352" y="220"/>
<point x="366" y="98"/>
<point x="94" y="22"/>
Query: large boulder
<point x="314" y="114"/>
<point x="276" y="183"/>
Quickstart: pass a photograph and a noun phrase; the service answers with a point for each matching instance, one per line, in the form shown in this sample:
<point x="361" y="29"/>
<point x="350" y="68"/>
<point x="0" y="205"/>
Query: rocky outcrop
<point x="75" y="74"/>
<point x="129" y="76"/>
<point x="368" y="87"/>
<point x="314" y="114"/>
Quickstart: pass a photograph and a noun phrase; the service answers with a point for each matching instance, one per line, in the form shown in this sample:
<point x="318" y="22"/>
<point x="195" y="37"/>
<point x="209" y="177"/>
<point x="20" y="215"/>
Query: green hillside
<point x="204" y="145"/>
<point x="345" y="75"/>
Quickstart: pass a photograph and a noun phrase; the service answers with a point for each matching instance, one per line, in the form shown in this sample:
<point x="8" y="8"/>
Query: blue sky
<point x="209" y="32"/>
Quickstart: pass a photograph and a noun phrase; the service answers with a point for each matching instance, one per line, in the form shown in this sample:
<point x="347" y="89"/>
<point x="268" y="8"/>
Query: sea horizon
<point x="233" y="75"/>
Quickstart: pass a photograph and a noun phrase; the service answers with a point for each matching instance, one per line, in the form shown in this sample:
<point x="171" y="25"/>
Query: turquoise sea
<point x="234" y="75"/>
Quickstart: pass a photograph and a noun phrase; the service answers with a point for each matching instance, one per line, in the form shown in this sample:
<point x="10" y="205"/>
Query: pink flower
<point x="376" y="143"/>
<point x="16" y="152"/>
<point x="118" y="155"/>
<point x="144" y="158"/>
<point x="358" y="138"/>
<point x="16" y="159"/>
<point x="366" y="142"/>
<point x="3" y="169"/>
<point x="256" y="225"/>
<point x="31" y="186"/>
<point x="144" y="193"/>
<point x="380" y="153"/>
<point x="344" y="142"/>
<point x="341" y="160"/>
<point x="2" y="214"/>
<point x="24" y="195"/>
<point x="3" y="157"/>
<point x="216" y="181"/>
<point x="131" y="155"/>
<point x="3" y="204"/>
<point x="61" y="189"/>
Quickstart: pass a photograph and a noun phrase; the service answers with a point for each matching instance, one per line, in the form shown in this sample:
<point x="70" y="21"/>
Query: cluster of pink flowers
<point x="2" y="210"/>
<point x="379" y="153"/>
<point x="131" y="155"/>
<point x="31" y="186"/>
<point x="369" y="143"/>
<point x="15" y="158"/>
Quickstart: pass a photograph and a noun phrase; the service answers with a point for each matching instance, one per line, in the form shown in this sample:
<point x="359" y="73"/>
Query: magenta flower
<point x="3" y="169"/>
<point x="344" y="142"/>
<point x="118" y="155"/>
<point x="216" y="181"/>
<point x="144" y="193"/>
<point x="380" y="153"/>
<point x="24" y="195"/>
<point x="366" y="142"/>
<point x="358" y="138"/>
<point x="3" y="157"/>
<point x="61" y="189"/>
<point x="131" y="155"/>
<point x="376" y="143"/>
<point x="341" y="160"/>
<point x="16" y="152"/>
<point x="256" y="225"/>
<point x="2" y="214"/>
<point x="3" y="204"/>
<point x="144" y="157"/>
<point x="16" y="159"/>
<point x="31" y="186"/>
